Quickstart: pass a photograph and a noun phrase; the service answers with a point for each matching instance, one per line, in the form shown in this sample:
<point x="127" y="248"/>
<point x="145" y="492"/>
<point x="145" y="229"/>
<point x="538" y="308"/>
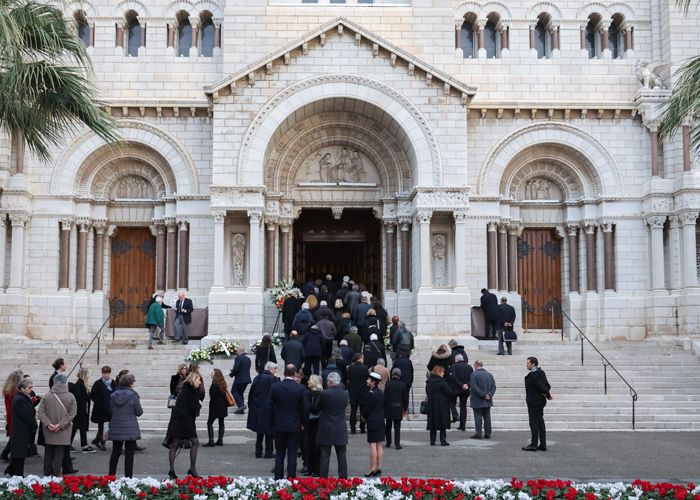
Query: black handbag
<point x="510" y="336"/>
<point x="424" y="407"/>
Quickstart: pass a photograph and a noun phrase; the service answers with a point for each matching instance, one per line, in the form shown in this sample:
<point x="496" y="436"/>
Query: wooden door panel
<point x="539" y="278"/>
<point x="132" y="278"/>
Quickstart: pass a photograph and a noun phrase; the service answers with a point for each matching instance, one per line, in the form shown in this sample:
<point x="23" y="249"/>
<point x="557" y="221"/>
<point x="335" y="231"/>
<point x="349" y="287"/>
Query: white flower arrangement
<point x="282" y="291"/>
<point x="199" y="355"/>
<point x="223" y="348"/>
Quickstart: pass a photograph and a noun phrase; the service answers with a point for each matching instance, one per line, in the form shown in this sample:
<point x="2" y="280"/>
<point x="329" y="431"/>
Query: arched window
<point x="592" y="44"/>
<point x="133" y="33"/>
<point x="208" y="34"/>
<point x="490" y="40"/>
<point x="184" y="34"/>
<point x="543" y="42"/>
<point x="83" y="28"/>
<point x="615" y="36"/>
<point x="467" y="37"/>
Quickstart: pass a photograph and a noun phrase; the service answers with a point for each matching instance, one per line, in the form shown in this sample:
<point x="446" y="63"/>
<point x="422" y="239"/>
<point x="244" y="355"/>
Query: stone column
<point x="573" y="259"/>
<point x="460" y="249"/>
<point x="532" y="24"/>
<point x="195" y="32"/>
<point x="627" y="33"/>
<point x="423" y="219"/>
<point x="184" y="256"/>
<point x="254" y="217"/>
<point x="405" y="257"/>
<point x="491" y="256"/>
<point x="390" y="227"/>
<point x="582" y="35"/>
<point x="687" y="165"/>
<point x="64" y="254"/>
<point x="219" y="243"/>
<point x="98" y="256"/>
<point x="458" y="30"/>
<point x="92" y="35"/>
<point x="554" y="31"/>
<point x="285" y="228"/>
<point x="119" y="38"/>
<point x="513" y="232"/>
<point x="3" y="243"/>
<point x="19" y="152"/>
<point x="18" y="222"/>
<point x="161" y="256"/>
<point x="143" y="36"/>
<point x="604" y="37"/>
<point x="171" y="37"/>
<point x="609" y="254"/>
<point x="656" y="229"/>
<point x="654" y="137"/>
<point x="271" y="230"/>
<point x="171" y="282"/>
<point x="479" y="25"/>
<point x="674" y="252"/>
<point x="591" y="276"/>
<point x="502" y="256"/>
<point x="217" y="35"/>
<point x="503" y="31"/>
<point x="81" y="273"/>
<point x="689" y="250"/>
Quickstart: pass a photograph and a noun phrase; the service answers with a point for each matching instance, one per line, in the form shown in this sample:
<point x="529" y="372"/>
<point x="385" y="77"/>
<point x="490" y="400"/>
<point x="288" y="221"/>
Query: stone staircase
<point x="666" y="377"/>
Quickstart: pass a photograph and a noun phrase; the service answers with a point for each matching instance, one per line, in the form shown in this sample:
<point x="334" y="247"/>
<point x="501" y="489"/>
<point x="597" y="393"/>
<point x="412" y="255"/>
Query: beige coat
<point x="53" y="411"/>
<point x="384" y="372"/>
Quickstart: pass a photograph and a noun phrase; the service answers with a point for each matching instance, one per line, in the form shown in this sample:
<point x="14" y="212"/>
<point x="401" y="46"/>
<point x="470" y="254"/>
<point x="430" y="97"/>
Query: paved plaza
<point x="590" y="456"/>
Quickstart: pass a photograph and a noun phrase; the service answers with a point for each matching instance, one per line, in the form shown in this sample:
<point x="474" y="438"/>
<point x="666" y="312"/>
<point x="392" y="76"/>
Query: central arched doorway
<point x="348" y="246"/>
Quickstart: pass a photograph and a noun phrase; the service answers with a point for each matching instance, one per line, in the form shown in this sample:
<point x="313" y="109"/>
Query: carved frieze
<point x="237" y="198"/>
<point x="442" y="200"/>
<point x="338" y="164"/>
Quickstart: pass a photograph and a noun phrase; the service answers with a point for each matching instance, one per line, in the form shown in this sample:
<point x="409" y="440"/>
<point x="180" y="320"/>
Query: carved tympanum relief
<point x="132" y="187"/>
<point x="238" y="249"/>
<point x="541" y="189"/>
<point x="439" y="250"/>
<point x="338" y="164"/>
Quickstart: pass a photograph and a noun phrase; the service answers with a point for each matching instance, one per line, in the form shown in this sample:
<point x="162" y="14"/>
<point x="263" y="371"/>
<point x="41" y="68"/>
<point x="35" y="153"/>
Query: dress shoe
<point x="71" y="449"/>
<point x="487" y="436"/>
<point x="193" y="473"/>
<point x="363" y="431"/>
<point x="377" y="472"/>
<point x="102" y="446"/>
<point x="399" y="447"/>
<point x="444" y="443"/>
<point x="304" y="470"/>
<point x="432" y="443"/>
<point x="171" y="474"/>
<point x="529" y="448"/>
<point x="256" y="455"/>
<point x="219" y="443"/>
<point x="210" y="444"/>
<point x="150" y="347"/>
<point x="370" y="474"/>
<point x="461" y="428"/>
<point x="500" y="354"/>
<point x="353" y="431"/>
<point x="475" y="436"/>
<point x="542" y="448"/>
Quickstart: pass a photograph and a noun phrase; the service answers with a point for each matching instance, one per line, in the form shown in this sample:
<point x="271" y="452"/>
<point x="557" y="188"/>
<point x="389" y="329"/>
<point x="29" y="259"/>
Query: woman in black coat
<point x="81" y="421"/>
<point x="313" y="349"/>
<point x="182" y="423"/>
<point x="373" y="413"/>
<point x="177" y="379"/>
<point x="264" y="353"/>
<point x="23" y="428"/>
<point x="443" y="357"/>
<point x="395" y="406"/>
<point x="218" y="407"/>
<point x="438" y="392"/>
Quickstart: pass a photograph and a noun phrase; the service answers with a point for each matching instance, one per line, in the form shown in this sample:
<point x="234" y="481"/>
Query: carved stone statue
<point x="355" y="172"/>
<point x="539" y="189"/>
<point x="336" y="164"/>
<point x="238" y="248"/>
<point x="439" y="260"/>
<point x="132" y="187"/>
<point x="648" y="79"/>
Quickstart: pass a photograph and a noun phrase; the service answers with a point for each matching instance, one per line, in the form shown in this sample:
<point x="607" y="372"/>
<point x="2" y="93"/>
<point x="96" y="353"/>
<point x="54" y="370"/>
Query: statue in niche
<point x="539" y="189"/>
<point x="238" y="247"/>
<point x="439" y="260"/>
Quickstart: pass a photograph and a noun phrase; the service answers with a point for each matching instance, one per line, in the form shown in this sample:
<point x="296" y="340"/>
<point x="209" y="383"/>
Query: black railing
<point x="606" y="364"/>
<point x="96" y="337"/>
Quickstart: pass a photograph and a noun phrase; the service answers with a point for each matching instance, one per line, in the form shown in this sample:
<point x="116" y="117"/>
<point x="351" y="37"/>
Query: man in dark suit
<point x="183" y="318"/>
<point x="332" y="428"/>
<point x="289" y="309"/>
<point x="289" y="402"/>
<point x="241" y="378"/>
<point x="536" y="395"/>
<point x="357" y="388"/>
<point x="489" y="304"/>
<point x="101" y="397"/>
<point x="459" y="380"/>
<point x="293" y="351"/>
<point x="506" y="320"/>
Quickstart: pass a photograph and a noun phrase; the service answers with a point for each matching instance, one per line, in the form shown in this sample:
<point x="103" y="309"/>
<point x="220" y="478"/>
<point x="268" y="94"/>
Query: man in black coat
<point x="357" y="389"/>
<point x="289" y="309"/>
<point x="332" y="428"/>
<point x="241" y="378"/>
<point x="289" y="403"/>
<point x="489" y="304"/>
<point x="23" y="428"/>
<point x="324" y="312"/>
<point x="395" y="407"/>
<point x="506" y="320"/>
<point x="183" y="318"/>
<point x="258" y="410"/>
<point x="101" y="397"/>
<point x="404" y="363"/>
<point x="536" y="395"/>
<point x="293" y="351"/>
<point x="459" y="380"/>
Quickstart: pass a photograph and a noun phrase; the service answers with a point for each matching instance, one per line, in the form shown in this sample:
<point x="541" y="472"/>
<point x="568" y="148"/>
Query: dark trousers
<point x="210" y="428"/>
<point x="396" y="423"/>
<point x="100" y="432"/>
<point x="313" y="451"/>
<point x="353" y="417"/>
<point x="509" y="345"/>
<point x="535" y="414"/>
<point x="341" y="453"/>
<point x="6" y="450"/>
<point x="53" y="456"/>
<point x="129" y="449"/>
<point x="313" y="363"/>
<point x="327" y="350"/>
<point x="269" y="447"/>
<point x="433" y="435"/>
<point x="286" y="443"/>
<point x="491" y="327"/>
<point x="462" y="398"/>
<point x="16" y="467"/>
<point x="83" y="436"/>
<point x="237" y="391"/>
<point x="482" y="415"/>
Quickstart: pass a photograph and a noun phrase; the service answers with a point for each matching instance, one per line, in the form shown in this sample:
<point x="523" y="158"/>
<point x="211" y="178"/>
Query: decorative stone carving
<point x="440" y="200"/>
<point x="648" y="78"/>
<point x="238" y="249"/>
<point x="655" y="222"/>
<point x="132" y="187"/>
<point x="236" y="198"/>
<point x="661" y="205"/>
<point x="424" y="217"/>
<point x="439" y="252"/>
<point x="336" y="164"/>
<point x="688" y="218"/>
<point x="541" y="189"/>
<point x="19" y="220"/>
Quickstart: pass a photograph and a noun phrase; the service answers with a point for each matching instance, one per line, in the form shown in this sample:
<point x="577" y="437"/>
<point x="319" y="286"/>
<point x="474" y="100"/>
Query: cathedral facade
<point x="426" y="148"/>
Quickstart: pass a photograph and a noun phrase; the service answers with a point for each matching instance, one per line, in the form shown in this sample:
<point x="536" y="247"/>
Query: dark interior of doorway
<point x="349" y="246"/>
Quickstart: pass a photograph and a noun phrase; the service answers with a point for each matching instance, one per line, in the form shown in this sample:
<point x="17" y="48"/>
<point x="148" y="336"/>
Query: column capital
<point x="502" y="25"/>
<point x="100" y="225"/>
<point x="604" y="25"/>
<point x="171" y="224"/>
<point x="654" y="222"/>
<point x="688" y="218"/>
<point x="389" y="225"/>
<point x="405" y="226"/>
<point x="515" y="229"/>
<point x="66" y="223"/>
<point x="480" y="24"/>
<point x="19" y="220"/>
<point x="651" y="125"/>
<point x="532" y="23"/>
<point x="503" y="226"/>
<point x="183" y="225"/>
<point x="573" y="227"/>
<point x="551" y="27"/>
<point x="3" y="219"/>
<point x="219" y="217"/>
<point x="285" y="225"/>
<point x="424" y="216"/>
<point x="674" y="222"/>
<point x="590" y="228"/>
<point x="583" y="25"/>
<point x="458" y="24"/>
<point x="255" y="216"/>
<point x="460" y="217"/>
<point x="492" y="226"/>
<point x="84" y="225"/>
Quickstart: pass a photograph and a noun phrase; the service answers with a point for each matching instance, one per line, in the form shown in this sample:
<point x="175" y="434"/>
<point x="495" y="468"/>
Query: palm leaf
<point x="684" y="103"/>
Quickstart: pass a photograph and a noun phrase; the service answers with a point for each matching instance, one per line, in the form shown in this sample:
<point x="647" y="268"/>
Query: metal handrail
<point x="95" y="337"/>
<point x="606" y="363"/>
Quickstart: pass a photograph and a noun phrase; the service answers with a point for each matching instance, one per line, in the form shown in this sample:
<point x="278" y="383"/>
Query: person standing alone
<point x="183" y="318"/>
<point x="536" y="395"/>
<point x="483" y="387"/>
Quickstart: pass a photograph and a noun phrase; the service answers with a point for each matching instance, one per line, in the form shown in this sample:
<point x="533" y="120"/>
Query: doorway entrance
<point x="539" y="278"/>
<point x="132" y="276"/>
<point x="349" y="246"/>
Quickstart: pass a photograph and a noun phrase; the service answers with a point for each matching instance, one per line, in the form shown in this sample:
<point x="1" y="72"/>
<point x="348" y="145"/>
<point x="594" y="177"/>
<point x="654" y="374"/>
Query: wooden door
<point x="132" y="278"/>
<point x="539" y="278"/>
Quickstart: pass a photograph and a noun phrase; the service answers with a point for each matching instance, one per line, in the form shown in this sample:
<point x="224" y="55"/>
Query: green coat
<point x="155" y="315"/>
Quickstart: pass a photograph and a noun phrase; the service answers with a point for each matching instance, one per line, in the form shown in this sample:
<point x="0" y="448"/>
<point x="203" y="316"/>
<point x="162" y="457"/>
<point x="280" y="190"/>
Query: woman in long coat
<point x="23" y="428"/>
<point x="177" y="379"/>
<point x="258" y="412"/>
<point x="181" y="427"/>
<point x="8" y="391"/>
<point x="218" y="407"/>
<point x="124" y="428"/>
<point x="395" y="406"/>
<point x="438" y="392"/>
<point x="81" y="422"/>
<point x="264" y="353"/>
<point x="373" y="413"/>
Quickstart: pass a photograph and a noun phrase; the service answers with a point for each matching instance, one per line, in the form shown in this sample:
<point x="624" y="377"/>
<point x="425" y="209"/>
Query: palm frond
<point x="684" y="102"/>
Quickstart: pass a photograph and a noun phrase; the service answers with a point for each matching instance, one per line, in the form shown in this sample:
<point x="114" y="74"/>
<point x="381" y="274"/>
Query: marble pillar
<point x="219" y="220"/>
<point x="183" y="256"/>
<point x="19" y="222"/>
<point x="98" y="256"/>
<point x="591" y="269"/>
<point x="64" y="254"/>
<point x="405" y="256"/>
<point x="81" y="272"/>
<point x="171" y="282"/>
<point x="255" y="217"/>
<point x="656" y="232"/>
<point x="491" y="253"/>
<point x="161" y="256"/>
<point x="390" y="228"/>
<point x="689" y="277"/>
<point x="573" y="259"/>
<point x="460" y="249"/>
<point x="423" y="220"/>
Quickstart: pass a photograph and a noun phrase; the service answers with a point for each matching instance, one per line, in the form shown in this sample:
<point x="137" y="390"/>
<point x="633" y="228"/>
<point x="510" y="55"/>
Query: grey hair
<point x="60" y="380"/>
<point x="459" y="358"/>
<point x="25" y="382"/>
<point x="479" y="363"/>
<point x="396" y="372"/>
<point x="333" y="378"/>
<point x="270" y="365"/>
<point x="353" y="329"/>
<point x="381" y="362"/>
<point x="127" y="380"/>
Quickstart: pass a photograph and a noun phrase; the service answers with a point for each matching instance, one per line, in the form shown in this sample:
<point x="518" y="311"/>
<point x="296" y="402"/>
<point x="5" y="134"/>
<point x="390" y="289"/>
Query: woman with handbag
<point x="219" y="401"/>
<point x="182" y="428"/>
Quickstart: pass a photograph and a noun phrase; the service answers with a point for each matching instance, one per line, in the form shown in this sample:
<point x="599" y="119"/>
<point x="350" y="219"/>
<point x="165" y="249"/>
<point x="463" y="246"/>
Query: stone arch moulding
<point x="124" y="7"/>
<point x="606" y="10"/>
<point x="547" y="7"/>
<point x="482" y="9"/>
<point x="216" y="11"/>
<point x="294" y="97"/>
<point x="194" y="9"/>
<point x="87" y="7"/>
<point x="67" y="166"/>
<point x="599" y="160"/>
